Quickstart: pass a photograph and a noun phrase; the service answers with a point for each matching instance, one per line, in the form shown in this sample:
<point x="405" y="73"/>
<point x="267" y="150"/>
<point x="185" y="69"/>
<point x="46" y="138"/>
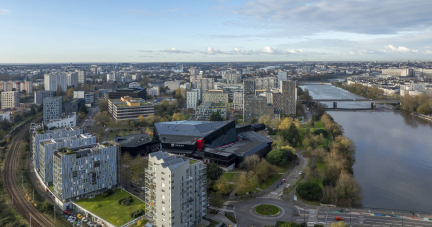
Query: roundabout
<point x="267" y="211"/>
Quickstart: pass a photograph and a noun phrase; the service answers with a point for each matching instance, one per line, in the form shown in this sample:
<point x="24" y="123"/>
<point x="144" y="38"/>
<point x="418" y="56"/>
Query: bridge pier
<point x="373" y="106"/>
<point x="334" y="105"/>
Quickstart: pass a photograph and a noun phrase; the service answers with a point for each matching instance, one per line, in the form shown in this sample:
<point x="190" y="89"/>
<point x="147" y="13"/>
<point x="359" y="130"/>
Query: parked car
<point x="283" y="180"/>
<point x="84" y="220"/>
<point x="288" y="186"/>
<point x="300" y="173"/>
<point x="143" y="188"/>
<point x="72" y="220"/>
<point x="339" y="218"/>
<point x="66" y="212"/>
<point x="90" y="224"/>
<point x="69" y="218"/>
<point x="277" y="186"/>
<point x="78" y="223"/>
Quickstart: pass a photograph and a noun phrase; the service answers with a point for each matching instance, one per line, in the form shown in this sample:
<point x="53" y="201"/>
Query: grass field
<point x="229" y="176"/>
<point x="283" y="169"/>
<point x="269" y="181"/>
<point x="320" y="124"/>
<point x="108" y="208"/>
<point x="267" y="209"/>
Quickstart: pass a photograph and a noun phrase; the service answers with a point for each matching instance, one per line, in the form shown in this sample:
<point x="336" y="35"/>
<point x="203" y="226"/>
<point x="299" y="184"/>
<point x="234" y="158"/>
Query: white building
<point x="134" y="85"/>
<point x="72" y="79"/>
<point x="238" y="99"/>
<point x="186" y="86"/>
<point x="64" y="121"/>
<point x="176" y="190"/>
<point x="5" y="116"/>
<point x="110" y="77"/>
<point x="172" y="85"/>
<point x="10" y="99"/>
<point x="192" y="99"/>
<point x="52" y="108"/>
<point x="54" y="81"/>
<point x="81" y="77"/>
<point x="78" y="94"/>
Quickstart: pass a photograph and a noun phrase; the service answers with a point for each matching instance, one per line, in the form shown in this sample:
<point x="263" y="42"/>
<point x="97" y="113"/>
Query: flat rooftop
<point x="189" y="128"/>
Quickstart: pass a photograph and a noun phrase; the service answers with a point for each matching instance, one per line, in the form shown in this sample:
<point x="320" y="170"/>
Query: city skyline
<point x="221" y="31"/>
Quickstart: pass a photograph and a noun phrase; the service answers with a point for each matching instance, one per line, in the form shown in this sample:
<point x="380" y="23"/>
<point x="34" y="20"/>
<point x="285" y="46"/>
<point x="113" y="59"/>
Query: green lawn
<point x="283" y="169"/>
<point x="108" y="208"/>
<point x="267" y="209"/>
<point x="51" y="188"/>
<point x="320" y="164"/>
<point x="269" y="181"/>
<point x="193" y="161"/>
<point x="320" y="124"/>
<point x="229" y="176"/>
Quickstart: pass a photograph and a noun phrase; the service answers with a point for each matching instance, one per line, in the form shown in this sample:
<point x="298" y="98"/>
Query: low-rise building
<point x="64" y="121"/>
<point x="203" y="111"/>
<point x="127" y="108"/>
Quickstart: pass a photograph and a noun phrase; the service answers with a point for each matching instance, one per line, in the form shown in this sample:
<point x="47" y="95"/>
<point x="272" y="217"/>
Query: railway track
<point x="15" y="193"/>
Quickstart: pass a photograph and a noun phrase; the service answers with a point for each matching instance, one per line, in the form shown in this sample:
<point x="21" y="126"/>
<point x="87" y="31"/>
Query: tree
<point x="424" y="109"/>
<point x="83" y="109"/>
<point x="222" y="186"/>
<point x="216" y="200"/>
<point x="18" y="118"/>
<point x="348" y="191"/>
<point x="149" y="131"/>
<point x="250" y="162"/>
<point x="319" y="109"/>
<point x="81" y="115"/>
<point x="289" y="224"/>
<point x="408" y="103"/>
<point x="309" y="191"/>
<point x="5" y="125"/>
<point x="281" y="156"/>
<point x="299" y="109"/>
<point x="215" y="116"/>
<point x="293" y="135"/>
<point x="164" y="104"/>
<point x="140" y="118"/>
<point x="264" y="170"/>
<point x="265" y="119"/>
<point x="103" y="104"/>
<point x="102" y="118"/>
<point x="176" y="117"/>
<point x="286" y="123"/>
<point x="213" y="172"/>
<point x="339" y="224"/>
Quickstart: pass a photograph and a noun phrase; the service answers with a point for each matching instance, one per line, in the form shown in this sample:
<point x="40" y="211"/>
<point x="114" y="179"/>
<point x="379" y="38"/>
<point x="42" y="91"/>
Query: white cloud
<point x="270" y="51"/>
<point x="145" y="51"/>
<point x="174" y="51"/>
<point x="4" y="11"/>
<point x="213" y="51"/>
<point x="400" y="49"/>
<point x="428" y="52"/>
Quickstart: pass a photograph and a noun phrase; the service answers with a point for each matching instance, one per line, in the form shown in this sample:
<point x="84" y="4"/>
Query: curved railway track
<point x="15" y="193"/>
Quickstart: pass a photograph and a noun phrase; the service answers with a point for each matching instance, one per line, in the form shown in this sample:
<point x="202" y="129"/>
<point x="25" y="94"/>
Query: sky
<point x="49" y="31"/>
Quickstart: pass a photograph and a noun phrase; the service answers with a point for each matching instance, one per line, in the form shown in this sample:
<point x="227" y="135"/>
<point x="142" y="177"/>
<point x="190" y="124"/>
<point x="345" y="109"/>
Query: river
<point x="393" y="153"/>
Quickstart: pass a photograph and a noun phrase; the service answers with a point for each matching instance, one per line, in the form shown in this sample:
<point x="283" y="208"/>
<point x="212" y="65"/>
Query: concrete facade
<point x="192" y="99"/>
<point x="40" y="95"/>
<point x="52" y="82"/>
<point x="52" y="108"/>
<point x="10" y="99"/>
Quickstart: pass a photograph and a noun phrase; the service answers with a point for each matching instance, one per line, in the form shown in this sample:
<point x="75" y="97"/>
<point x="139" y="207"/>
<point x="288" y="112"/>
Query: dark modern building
<point x="133" y="93"/>
<point x="211" y="141"/>
<point x="73" y="105"/>
<point x="137" y="144"/>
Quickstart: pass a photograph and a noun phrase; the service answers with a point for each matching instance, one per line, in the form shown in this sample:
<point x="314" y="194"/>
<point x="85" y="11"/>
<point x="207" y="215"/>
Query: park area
<point x="108" y="208"/>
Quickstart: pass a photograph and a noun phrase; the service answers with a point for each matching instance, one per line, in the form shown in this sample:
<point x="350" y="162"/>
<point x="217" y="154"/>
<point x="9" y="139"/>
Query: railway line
<point x="15" y="193"/>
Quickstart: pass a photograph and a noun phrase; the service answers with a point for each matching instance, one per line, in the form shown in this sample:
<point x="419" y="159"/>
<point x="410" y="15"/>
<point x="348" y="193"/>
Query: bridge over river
<point x="372" y="102"/>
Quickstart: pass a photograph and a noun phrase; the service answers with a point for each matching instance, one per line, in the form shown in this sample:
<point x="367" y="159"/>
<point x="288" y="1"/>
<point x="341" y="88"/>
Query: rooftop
<point x="133" y="140"/>
<point x="189" y="128"/>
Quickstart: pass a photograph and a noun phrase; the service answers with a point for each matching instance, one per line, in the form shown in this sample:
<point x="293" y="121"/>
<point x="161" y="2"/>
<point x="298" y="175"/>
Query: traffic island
<point x="267" y="210"/>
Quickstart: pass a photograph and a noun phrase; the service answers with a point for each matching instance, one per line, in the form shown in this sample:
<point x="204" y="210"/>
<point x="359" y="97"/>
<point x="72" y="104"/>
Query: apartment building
<point x="231" y="77"/>
<point x="204" y="84"/>
<point x="192" y="99"/>
<point x="249" y="87"/>
<point x="204" y="110"/>
<point x="48" y="146"/>
<point x="72" y="79"/>
<point x="265" y="83"/>
<point x="86" y="171"/>
<point x="53" y="82"/>
<point x="238" y="99"/>
<point x="255" y="107"/>
<point x="81" y="77"/>
<point x="52" y="108"/>
<point x="69" y="120"/>
<point x="215" y="96"/>
<point x="284" y="102"/>
<point x="127" y="108"/>
<point x="176" y="190"/>
<point x="10" y="99"/>
<point x="39" y="134"/>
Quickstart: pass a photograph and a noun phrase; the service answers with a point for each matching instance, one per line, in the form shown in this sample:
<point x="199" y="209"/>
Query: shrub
<point x="130" y="199"/>
<point x="309" y="191"/>
<point x="319" y="131"/>
<point x="126" y="203"/>
<point x="120" y="201"/>
<point x="231" y="218"/>
<point x="137" y="213"/>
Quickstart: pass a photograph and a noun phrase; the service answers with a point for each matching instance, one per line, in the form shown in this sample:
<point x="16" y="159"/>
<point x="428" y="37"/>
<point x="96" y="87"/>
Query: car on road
<point x="66" y="212"/>
<point x="301" y="172"/>
<point x="339" y="218"/>
<point x="283" y="180"/>
<point x="288" y="186"/>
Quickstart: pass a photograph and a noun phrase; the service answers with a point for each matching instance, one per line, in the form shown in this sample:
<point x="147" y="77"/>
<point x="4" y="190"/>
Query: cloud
<point x="400" y="49"/>
<point x="174" y="51"/>
<point x="355" y="16"/>
<point x="428" y="52"/>
<point x="270" y="51"/>
<point x="146" y="56"/>
<point x="4" y="11"/>
<point x="213" y="51"/>
<point x="145" y="51"/>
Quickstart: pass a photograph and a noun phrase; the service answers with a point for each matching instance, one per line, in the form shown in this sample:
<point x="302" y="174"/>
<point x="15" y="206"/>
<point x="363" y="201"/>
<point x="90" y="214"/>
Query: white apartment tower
<point x="192" y="99"/>
<point x="176" y="190"/>
<point x="10" y="99"/>
<point x="54" y="81"/>
<point x="81" y="77"/>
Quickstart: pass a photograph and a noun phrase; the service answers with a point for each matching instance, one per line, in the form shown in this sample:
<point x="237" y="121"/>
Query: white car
<point x="73" y="219"/>
<point x="84" y="220"/>
<point x="288" y="186"/>
<point x="90" y="224"/>
<point x="69" y="218"/>
<point x="300" y="173"/>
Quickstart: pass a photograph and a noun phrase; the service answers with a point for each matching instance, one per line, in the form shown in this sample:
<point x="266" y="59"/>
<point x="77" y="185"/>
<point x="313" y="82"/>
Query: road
<point x="88" y="121"/>
<point x="17" y="196"/>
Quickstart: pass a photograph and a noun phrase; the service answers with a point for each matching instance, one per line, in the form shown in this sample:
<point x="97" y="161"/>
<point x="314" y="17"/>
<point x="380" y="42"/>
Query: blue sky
<point x="214" y="30"/>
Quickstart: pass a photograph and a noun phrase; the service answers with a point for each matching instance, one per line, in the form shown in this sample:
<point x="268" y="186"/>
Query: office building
<point x="176" y="190"/>
<point x="52" y="108"/>
<point x="249" y="87"/>
<point x="39" y="134"/>
<point x="204" y="84"/>
<point x="40" y="95"/>
<point x="84" y="172"/>
<point x="10" y="99"/>
<point x="110" y="77"/>
<point x="192" y="99"/>
<point x="54" y="82"/>
<point x="127" y="108"/>
<point x="48" y="146"/>
<point x="81" y="77"/>
<point x="215" y="96"/>
<point x="204" y="110"/>
<point x="231" y="77"/>
<point x="72" y="79"/>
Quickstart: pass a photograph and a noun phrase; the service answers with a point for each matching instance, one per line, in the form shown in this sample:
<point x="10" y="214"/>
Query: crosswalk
<point x="272" y="195"/>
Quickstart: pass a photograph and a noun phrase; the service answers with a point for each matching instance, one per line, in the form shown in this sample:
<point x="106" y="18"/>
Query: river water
<point x="393" y="153"/>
